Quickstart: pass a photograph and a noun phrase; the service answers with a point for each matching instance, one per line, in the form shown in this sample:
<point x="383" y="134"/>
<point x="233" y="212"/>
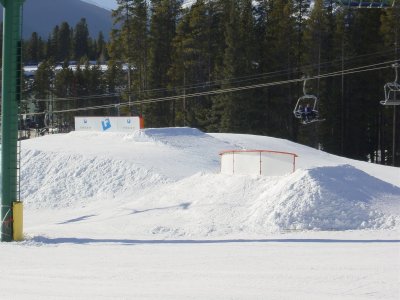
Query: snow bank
<point x="328" y="198"/>
<point x="215" y="205"/>
<point x="51" y="180"/>
<point x="166" y="182"/>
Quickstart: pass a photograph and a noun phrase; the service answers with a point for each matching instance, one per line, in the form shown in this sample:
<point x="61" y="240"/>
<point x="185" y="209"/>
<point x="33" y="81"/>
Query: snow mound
<point x="328" y="198"/>
<point x="215" y="205"/>
<point x="173" y="131"/>
<point x="50" y="180"/>
<point x="182" y="138"/>
<point x="166" y="182"/>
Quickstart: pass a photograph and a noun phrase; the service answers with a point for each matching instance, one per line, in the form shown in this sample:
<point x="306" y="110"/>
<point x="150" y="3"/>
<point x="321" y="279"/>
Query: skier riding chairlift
<point x="305" y="108"/>
<point x="392" y="90"/>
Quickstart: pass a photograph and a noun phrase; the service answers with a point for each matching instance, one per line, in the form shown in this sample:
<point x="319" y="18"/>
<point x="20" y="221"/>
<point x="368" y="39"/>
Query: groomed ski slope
<point x="147" y="215"/>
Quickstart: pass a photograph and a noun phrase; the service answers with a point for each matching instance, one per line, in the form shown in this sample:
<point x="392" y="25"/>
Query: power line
<point x="100" y="96"/>
<point x="368" y="68"/>
<point x="209" y="84"/>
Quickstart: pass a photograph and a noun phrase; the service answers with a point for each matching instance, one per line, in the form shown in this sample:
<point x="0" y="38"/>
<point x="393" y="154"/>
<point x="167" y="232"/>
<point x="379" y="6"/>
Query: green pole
<point x="11" y="87"/>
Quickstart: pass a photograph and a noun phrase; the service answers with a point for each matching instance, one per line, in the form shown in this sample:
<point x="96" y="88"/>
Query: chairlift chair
<point x="302" y="103"/>
<point x="46" y="119"/>
<point x="392" y="91"/>
<point x="367" y="3"/>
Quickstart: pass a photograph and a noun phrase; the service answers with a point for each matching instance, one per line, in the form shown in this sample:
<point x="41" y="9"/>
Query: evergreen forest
<point x="230" y="66"/>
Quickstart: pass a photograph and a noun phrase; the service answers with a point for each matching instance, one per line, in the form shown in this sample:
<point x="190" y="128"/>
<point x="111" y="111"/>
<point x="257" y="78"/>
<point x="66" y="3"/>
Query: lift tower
<point x="11" y="96"/>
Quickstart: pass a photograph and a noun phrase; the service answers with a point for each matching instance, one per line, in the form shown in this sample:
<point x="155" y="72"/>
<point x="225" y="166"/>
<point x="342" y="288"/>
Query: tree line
<point x="65" y="43"/>
<point x="171" y="50"/>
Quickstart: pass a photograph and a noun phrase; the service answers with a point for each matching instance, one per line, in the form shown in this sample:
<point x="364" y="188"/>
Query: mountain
<point x="107" y="4"/>
<point x="43" y="15"/>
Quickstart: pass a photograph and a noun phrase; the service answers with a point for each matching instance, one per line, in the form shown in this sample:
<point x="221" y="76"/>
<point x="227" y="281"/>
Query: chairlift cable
<point x="227" y="90"/>
<point x="209" y="84"/>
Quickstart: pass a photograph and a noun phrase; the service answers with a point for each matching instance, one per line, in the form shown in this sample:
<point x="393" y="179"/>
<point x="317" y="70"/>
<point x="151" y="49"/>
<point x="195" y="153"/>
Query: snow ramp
<point x="329" y="198"/>
<point x="68" y="170"/>
<point x="215" y="205"/>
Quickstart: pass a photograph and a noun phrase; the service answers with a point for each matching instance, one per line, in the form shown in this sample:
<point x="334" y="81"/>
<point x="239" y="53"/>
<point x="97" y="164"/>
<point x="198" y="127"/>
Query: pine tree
<point x="80" y="40"/>
<point x="64" y="42"/>
<point x="192" y="64"/>
<point x="101" y="50"/>
<point x="42" y="88"/>
<point x="130" y="43"/>
<point x="63" y="88"/>
<point x="113" y="77"/>
<point x="164" y="18"/>
<point x="317" y="51"/>
<point x="140" y="35"/>
<point x="237" y="112"/>
<point x="250" y="111"/>
<point x="238" y="59"/>
<point x="280" y="56"/>
<point x="53" y="47"/>
<point x="33" y="49"/>
<point x="390" y="116"/>
<point x="362" y="104"/>
<point x="94" y="85"/>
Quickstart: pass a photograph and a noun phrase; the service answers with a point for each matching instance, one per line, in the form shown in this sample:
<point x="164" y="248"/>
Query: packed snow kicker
<point x="166" y="182"/>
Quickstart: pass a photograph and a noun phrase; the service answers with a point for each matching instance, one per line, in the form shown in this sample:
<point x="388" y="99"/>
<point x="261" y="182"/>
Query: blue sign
<point x="106" y="124"/>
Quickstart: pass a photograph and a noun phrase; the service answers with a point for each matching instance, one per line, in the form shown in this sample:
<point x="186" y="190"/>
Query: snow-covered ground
<point x="147" y="215"/>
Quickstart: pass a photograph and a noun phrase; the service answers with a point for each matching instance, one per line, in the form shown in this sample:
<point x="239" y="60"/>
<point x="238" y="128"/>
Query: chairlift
<point x="392" y="90"/>
<point x="310" y="115"/>
<point x="49" y="119"/>
<point x="46" y="119"/>
<point x="367" y="3"/>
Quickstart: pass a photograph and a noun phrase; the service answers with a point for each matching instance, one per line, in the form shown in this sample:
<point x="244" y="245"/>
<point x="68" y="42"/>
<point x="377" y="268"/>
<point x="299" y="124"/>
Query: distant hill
<point x="43" y="15"/>
<point x="107" y="4"/>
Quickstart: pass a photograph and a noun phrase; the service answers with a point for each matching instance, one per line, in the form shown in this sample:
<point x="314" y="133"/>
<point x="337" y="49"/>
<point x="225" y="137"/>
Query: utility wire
<point x="99" y="96"/>
<point x="356" y="70"/>
<point x="209" y="84"/>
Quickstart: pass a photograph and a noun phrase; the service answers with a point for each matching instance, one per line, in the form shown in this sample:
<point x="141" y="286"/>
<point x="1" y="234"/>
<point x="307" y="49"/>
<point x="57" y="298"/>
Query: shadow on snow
<point x="73" y="240"/>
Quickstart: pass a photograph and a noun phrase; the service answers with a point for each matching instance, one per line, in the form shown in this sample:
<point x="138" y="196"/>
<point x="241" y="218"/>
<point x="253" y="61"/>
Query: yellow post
<point x="18" y="234"/>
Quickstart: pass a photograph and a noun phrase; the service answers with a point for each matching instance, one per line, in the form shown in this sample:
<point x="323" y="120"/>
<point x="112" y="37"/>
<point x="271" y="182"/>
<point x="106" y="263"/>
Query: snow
<point x="148" y="215"/>
<point x="30" y="70"/>
<point x="112" y="4"/>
